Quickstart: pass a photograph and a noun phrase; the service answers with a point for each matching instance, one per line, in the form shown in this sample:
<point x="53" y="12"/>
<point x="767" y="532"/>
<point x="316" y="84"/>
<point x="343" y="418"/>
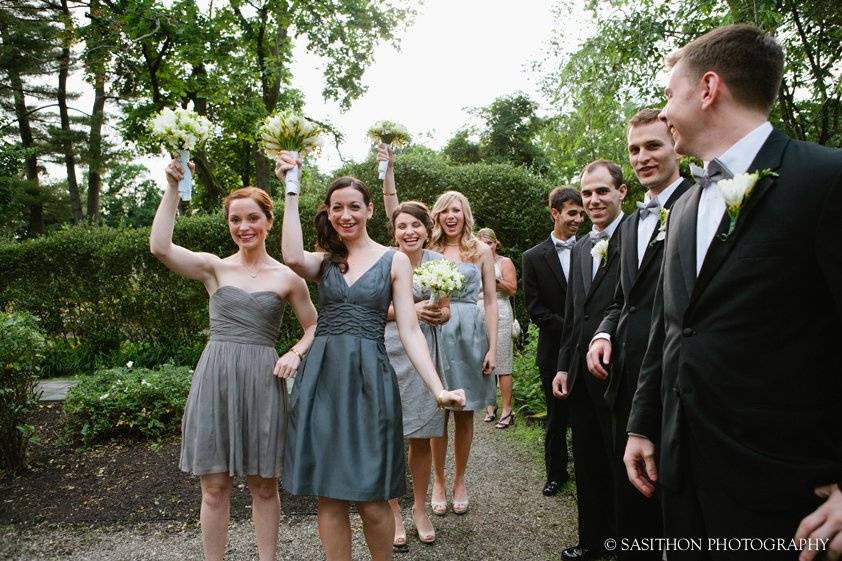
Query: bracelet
<point x="385" y="194"/>
<point x="440" y="399"/>
<point x="298" y="354"/>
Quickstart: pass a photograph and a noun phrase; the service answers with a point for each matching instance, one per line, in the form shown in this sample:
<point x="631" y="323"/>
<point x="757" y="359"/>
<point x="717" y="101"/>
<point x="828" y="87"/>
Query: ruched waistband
<point x="351" y="319"/>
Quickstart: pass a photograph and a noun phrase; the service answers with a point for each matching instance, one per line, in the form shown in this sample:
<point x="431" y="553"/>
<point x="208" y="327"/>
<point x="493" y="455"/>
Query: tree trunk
<point x="36" y="205"/>
<point x="67" y="139"/>
<point x="95" y="155"/>
<point x="215" y="191"/>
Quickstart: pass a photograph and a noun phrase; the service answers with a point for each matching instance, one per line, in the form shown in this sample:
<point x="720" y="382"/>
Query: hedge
<point x="104" y="299"/>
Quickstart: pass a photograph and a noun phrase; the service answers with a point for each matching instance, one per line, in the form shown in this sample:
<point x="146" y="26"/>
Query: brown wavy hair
<point x="417" y="210"/>
<point x="327" y="238"/>
<point x="261" y="197"/>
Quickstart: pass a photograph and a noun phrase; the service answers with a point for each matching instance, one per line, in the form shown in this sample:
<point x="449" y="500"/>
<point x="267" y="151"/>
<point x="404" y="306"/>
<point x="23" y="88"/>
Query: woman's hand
<point x="384" y="154"/>
<point x="489" y="363"/>
<point x="175" y="172"/>
<point x="284" y="163"/>
<point x="287" y="365"/>
<point x="452" y="399"/>
<point x="433" y="315"/>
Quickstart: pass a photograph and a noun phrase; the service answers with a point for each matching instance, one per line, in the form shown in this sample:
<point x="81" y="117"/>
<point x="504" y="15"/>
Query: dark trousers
<point x="591" y="423"/>
<point x="701" y="510"/>
<point x="555" y="431"/>
<point x="637" y="516"/>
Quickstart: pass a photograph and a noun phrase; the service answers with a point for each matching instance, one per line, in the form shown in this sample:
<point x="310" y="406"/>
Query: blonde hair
<point x="469" y="248"/>
<point x="488" y="233"/>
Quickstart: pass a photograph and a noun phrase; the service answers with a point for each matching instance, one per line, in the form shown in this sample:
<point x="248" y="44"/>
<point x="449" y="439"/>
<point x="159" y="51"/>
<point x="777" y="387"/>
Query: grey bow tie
<point x="645" y="209"/>
<point x="597" y="236"/>
<point x="716" y="170"/>
<point x="567" y="244"/>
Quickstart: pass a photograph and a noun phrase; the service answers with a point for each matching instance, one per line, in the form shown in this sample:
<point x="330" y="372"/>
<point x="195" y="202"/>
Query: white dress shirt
<point x="563" y="255"/>
<point x="597" y="261"/>
<point x="711" y="204"/>
<point x="646" y="226"/>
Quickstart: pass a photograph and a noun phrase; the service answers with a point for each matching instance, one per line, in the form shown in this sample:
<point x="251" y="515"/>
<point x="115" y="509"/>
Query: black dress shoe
<point x="578" y="552"/>
<point x="552" y="487"/>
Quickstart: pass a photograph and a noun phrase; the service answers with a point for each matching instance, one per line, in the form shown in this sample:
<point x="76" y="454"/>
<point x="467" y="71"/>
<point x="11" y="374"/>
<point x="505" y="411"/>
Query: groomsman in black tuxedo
<point x="546" y="270"/>
<point x="594" y="271"/>
<point x="742" y="379"/>
<point x="621" y="338"/>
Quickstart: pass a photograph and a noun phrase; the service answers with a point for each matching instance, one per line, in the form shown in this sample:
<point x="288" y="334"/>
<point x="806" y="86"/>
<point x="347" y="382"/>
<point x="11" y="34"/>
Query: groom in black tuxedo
<point x="621" y="338"/>
<point x="742" y="379"/>
<point x="594" y="269"/>
<point x="546" y="270"/>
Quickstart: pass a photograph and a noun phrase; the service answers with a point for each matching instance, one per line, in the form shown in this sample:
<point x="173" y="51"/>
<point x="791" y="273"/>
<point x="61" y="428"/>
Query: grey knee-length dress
<point x="422" y="417"/>
<point x="464" y="343"/>
<point x="235" y="416"/>
<point x="345" y="434"/>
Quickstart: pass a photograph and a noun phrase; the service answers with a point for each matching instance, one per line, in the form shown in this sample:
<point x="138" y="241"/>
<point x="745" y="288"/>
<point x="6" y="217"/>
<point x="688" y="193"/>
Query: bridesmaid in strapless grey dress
<point x="464" y="343"/>
<point x="422" y="418"/>
<point x="234" y="418"/>
<point x="345" y="435"/>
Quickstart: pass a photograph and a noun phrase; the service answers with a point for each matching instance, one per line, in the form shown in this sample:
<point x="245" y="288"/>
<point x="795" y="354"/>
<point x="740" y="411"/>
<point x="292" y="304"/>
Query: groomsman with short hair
<point x="594" y="270"/>
<point x="546" y="273"/>
<point x="617" y="349"/>
<point x="740" y="388"/>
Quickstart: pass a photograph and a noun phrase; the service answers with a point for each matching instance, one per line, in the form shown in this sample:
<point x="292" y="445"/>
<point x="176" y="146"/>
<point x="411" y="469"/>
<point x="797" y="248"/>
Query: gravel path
<point x="509" y="519"/>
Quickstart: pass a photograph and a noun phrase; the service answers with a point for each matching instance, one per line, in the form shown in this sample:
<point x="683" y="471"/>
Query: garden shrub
<point x="127" y="402"/>
<point x="22" y="346"/>
<point x="527" y="392"/>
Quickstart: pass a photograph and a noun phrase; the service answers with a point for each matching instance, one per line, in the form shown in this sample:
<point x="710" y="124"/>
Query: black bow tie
<point x="715" y="171"/>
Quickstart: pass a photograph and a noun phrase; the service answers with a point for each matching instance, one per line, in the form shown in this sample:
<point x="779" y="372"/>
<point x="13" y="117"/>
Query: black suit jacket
<point x="584" y="308"/>
<point x="544" y="291"/>
<point x="628" y="318"/>
<point x="744" y="358"/>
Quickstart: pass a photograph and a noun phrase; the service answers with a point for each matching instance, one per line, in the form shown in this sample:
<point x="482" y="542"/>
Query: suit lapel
<point x="586" y="260"/>
<point x="769" y="157"/>
<point x="684" y="228"/>
<point x="551" y="257"/>
<point x="651" y="248"/>
<point x="613" y="253"/>
<point x="628" y="249"/>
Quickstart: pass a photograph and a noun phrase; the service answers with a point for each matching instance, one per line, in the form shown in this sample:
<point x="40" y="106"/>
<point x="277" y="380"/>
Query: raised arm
<point x="508" y="277"/>
<point x="306" y="264"/>
<point x="189" y="264"/>
<point x="489" y="301"/>
<point x="299" y="298"/>
<point x="390" y="193"/>
<point x="412" y="339"/>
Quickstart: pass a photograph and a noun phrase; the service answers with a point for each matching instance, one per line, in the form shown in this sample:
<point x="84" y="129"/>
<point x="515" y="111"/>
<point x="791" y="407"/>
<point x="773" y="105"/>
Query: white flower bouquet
<point x="181" y="130"/>
<point x="287" y="131"/>
<point x="390" y="133"/>
<point x="441" y="277"/>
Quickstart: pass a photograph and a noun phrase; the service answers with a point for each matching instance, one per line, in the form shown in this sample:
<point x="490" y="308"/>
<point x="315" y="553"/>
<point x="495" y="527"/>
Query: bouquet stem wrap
<point x="293" y="178"/>
<point x="185" y="185"/>
<point x="435" y="299"/>
<point x="383" y="166"/>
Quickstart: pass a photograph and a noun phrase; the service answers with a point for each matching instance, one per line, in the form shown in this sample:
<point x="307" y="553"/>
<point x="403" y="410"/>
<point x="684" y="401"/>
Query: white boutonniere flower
<point x="736" y="191"/>
<point x="600" y="251"/>
<point x="663" y="216"/>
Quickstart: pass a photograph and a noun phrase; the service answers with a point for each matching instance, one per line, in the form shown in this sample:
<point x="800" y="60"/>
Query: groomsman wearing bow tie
<point x="741" y="380"/>
<point x="594" y="270"/>
<point x="546" y="272"/>
<point x="621" y="338"/>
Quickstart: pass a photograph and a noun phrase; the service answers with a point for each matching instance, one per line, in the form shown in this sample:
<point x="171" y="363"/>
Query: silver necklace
<point x="253" y="273"/>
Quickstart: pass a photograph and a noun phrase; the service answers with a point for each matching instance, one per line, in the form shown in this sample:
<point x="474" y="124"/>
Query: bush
<point x="527" y="392"/>
<point x="21" y="352"/>
<point x="127" y="402"/>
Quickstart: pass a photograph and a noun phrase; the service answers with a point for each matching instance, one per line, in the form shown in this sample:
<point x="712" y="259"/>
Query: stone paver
<point x="56" y="389"/>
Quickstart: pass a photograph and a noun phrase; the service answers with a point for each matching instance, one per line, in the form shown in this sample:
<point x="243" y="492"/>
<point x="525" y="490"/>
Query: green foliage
<point x="128" y="401"/>
<point x="22" y="346"/>
<point x="527" y="392"/>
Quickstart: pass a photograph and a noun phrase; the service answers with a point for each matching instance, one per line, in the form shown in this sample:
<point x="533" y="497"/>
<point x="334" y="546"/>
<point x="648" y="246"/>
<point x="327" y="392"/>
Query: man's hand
<point x="560" y="385"/>
<point x="599" y="354"/>
<point x="825" y="524"/>
<point x="640" y="464"/>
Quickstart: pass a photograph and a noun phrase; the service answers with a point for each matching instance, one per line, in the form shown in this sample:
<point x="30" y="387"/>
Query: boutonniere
<point x="600" y="251"/>
<point x="736" y="191"/>
<point x="663" y="216"/>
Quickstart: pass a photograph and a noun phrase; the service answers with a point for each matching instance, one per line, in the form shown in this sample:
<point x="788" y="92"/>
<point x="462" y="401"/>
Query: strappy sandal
<point x="439" y="508"/>
<point x="399" y="542"/>
<point x="425" y="538"/>
<point x="460" y="507"/>
<point x="504" y="425"/>
<point x="490" y="417"/>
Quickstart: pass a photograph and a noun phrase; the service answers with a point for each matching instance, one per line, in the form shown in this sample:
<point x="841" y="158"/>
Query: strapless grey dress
<point x="464" y="343"/>
<point x="422" y="418"/>
<point x="345" y="434"/>
<point x="234" y="419"/>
